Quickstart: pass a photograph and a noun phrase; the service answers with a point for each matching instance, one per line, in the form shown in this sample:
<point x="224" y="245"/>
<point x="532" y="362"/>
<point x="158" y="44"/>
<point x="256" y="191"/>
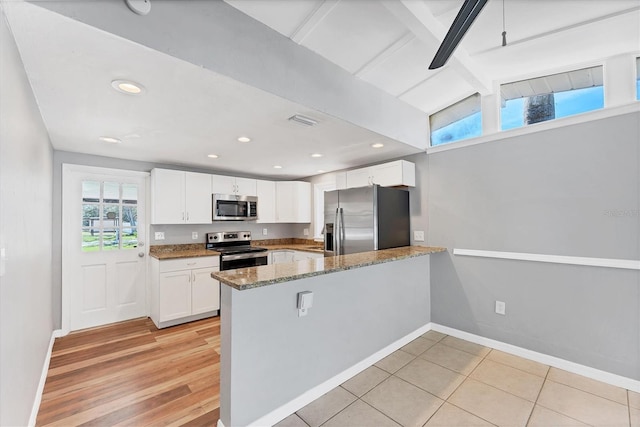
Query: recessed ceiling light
<point x="316" y="155"/>
<point x="320" y="171"/>
<point x="377" y="145"/>
<point x="277" y="167"/>
<point x="213" y="156"/>
<point x="110" y="139"/>
<point x="244" y="139"/>
<point x="127" y="86"/>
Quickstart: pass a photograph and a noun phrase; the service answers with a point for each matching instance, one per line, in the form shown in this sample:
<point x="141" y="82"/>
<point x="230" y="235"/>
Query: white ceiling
<point x="188" y="111"/>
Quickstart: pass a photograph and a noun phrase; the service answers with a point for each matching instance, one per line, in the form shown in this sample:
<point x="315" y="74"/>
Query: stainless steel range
<point x="236" y="250"/>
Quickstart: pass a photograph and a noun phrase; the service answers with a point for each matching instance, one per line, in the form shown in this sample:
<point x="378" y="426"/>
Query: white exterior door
<point x="103" y="243"/>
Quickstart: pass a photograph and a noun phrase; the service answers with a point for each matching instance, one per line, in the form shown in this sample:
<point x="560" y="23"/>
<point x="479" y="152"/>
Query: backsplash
<point x="182" y="233"/>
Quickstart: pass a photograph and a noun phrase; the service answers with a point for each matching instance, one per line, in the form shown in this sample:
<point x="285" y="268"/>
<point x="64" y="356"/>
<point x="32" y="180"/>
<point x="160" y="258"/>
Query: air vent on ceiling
<point x="303" y="120"/>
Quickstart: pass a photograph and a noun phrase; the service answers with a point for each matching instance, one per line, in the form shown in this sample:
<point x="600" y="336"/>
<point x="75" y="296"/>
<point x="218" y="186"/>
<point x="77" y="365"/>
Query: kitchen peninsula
<point x="274" y="361"/>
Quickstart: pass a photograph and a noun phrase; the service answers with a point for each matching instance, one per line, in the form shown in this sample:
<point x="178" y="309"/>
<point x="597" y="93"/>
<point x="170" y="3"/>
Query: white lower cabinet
<point x="182" y="290"/>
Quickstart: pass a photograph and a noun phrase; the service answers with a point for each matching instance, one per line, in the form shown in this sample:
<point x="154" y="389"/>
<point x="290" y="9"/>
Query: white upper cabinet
<point x="221" y="184"/>
<point x="197" y="198"/>
<point x="293" y="201"/>
<point x="179" y="197"/>
<point x="392" y="174"/>
<point x="266" y="191"/>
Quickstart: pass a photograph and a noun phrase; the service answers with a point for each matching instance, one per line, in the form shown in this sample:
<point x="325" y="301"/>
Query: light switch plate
<point x="418" y="236"/>
<point x="501" y="307"/>
<point x="159" y="235"/>
<point x="305" y="231"/>
<point x="194" y="235"/>
<point x="264" y="231"/>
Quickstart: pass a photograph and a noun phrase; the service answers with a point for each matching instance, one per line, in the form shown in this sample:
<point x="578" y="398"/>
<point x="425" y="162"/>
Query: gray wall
<point x="26" y="320"/>
<point x="568" y="191"/>
<point x="174" y="234"/>
<point x="271" y="355"/>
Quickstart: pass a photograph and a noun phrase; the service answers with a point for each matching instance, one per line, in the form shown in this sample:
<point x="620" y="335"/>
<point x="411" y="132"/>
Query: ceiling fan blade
<point x="467" y="14"/>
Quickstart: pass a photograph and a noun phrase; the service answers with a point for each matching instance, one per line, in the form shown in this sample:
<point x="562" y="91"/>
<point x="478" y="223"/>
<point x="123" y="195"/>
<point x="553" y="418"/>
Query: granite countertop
<point x="180" y="251"/>
<point x="191" y="250"/>
<point x="293" y="247"/>
<point x="253" y="277"/>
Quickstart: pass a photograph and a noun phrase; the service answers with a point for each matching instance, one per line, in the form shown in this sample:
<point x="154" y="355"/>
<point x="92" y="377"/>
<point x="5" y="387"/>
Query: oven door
<point x="253" y="259"/>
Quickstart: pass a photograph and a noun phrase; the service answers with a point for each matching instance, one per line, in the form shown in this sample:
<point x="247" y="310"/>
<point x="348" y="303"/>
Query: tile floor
<point x="439" y="380"/>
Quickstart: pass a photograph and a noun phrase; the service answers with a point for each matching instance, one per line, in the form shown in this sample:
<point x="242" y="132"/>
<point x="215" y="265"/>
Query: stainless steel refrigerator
<point x="365" y="219"/>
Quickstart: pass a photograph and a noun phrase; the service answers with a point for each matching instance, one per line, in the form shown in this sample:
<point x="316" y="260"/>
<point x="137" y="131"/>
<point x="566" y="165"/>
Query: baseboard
<point x="556" y="362"/>
<point x="311" y="395"/>
<point x="43" y="377"/>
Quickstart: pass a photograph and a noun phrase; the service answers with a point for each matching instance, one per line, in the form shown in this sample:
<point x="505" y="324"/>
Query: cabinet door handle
<point x="183" y="216"/>
<point x="187" y="216"/>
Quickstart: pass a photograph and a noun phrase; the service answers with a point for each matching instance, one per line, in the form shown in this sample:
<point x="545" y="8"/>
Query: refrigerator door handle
<point x="341" y="231"/>
<point x="336" y="234"/>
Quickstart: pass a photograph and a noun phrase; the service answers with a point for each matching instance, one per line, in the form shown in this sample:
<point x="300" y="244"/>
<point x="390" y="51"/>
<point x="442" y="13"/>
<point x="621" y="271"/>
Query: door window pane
<point x="111" y="192"/>
<point x="90" y="191"/>
<point x="111" y="216"/>
<point x="110" y="239"/>
<point x="129" y="194"/>
<point x="129" y="216"/>
<point x="129" y="238"/>
<point x="90" y="239"/>
<point x="90" y="215"/>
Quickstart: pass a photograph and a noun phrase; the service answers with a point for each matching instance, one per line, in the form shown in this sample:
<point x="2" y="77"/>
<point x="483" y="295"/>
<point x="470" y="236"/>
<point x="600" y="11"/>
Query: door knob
<point x="141" y="254"/>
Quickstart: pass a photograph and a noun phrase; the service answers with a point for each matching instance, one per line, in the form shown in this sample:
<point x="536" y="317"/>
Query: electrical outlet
<point x="264" y="231"/>
<point x="418" y="236"/>
<point x="194" y="235"/>
<point x="305" y="231"/>
<point x="501" y="307"/>
<point x="159" y="235"/>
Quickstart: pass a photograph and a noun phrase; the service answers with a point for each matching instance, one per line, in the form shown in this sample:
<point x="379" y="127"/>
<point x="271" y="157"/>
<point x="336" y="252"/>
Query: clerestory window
<point x="550" y="97"/>
<point x="459" y="121"/>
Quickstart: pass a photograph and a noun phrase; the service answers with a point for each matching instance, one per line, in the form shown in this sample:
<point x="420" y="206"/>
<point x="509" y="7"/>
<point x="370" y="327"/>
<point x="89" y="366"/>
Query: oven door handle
<point x="244" y="256"/>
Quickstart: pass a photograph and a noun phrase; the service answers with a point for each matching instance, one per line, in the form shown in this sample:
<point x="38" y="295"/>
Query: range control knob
<point x="215" y="237"/>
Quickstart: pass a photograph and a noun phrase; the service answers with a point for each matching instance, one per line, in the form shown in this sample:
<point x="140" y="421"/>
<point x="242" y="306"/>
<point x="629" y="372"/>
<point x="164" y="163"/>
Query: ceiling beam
<point x="386" y="53"/>
<point x="312" y="20"/>
<point x="418" y="18"/>
<point x="541" y="36"/>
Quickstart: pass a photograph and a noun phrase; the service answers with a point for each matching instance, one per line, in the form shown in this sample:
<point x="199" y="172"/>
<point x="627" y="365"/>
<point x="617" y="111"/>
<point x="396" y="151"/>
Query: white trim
<point x="602" y="113"/>
<point x="309" y="396"/>
<point x="95" y="170"/>
<point x="57" y="333"/>
<point x="628" y="264"/>
<point x="556" y="362"/>
<point x="220" y="423"/>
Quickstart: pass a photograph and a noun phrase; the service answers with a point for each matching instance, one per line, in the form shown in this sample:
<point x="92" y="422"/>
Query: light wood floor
<point x="132" y="374"/>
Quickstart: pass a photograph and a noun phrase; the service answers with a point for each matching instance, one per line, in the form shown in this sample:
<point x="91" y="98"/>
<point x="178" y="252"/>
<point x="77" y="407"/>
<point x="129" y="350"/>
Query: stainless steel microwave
<point x="228" y="207"/>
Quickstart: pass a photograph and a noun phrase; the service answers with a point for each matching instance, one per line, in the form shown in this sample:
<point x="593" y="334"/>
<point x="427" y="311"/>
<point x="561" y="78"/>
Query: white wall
<point x="25" y="232"/>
